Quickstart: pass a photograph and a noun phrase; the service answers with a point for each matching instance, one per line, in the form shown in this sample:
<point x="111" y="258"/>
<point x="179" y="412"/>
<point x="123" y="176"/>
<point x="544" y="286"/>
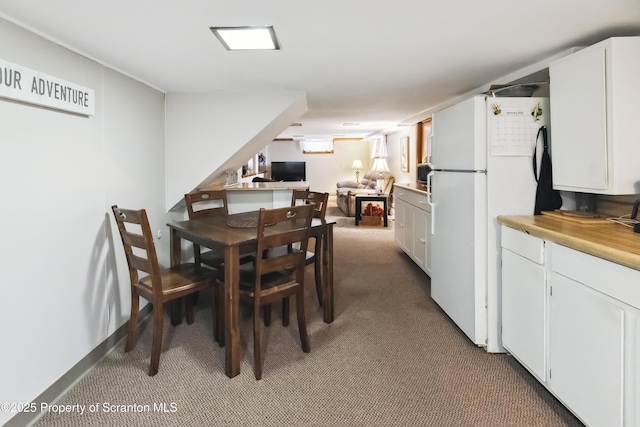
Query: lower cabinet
<point x="573" y="320"/>
<point x="637" y="376"/>
<point x="402" y="224"/>
<point x="412" y="225"/>
<point x="524" y="311"/>
<point x="586" y="351"/>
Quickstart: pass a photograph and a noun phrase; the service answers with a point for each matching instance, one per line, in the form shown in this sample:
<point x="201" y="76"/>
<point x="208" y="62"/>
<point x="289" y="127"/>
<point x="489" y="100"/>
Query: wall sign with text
<point x="33" y="87"/>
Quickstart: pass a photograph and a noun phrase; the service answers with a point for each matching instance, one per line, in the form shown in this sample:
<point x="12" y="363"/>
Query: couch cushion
<point x="348" y="184"/>
<point x="371" y="177"/>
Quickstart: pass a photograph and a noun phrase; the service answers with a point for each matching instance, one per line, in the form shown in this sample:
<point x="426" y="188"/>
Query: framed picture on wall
<point x="404" y="157"/>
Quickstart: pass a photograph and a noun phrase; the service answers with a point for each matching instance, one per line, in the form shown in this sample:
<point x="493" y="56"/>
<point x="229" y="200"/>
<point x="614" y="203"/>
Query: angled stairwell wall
<point x="208" y="133"/>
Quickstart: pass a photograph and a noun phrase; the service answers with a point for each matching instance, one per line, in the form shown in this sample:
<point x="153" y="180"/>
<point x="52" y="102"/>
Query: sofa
<point x="346" y="191"/>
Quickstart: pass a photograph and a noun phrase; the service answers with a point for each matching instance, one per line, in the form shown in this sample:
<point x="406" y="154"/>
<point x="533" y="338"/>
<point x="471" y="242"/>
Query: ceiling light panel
<point x="247" y="38"/>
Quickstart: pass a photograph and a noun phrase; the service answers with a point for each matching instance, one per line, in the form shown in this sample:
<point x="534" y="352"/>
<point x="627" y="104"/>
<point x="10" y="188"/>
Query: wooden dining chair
<point x="319" y="202"/>
<point x="159" y="285"/>
<point x="203" y="204"/>
<point x="277" y="277"/>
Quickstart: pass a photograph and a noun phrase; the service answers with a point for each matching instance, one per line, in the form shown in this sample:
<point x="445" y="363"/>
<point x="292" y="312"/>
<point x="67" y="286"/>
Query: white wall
<point x="394" y="153"/>
<point x="324" y="170"/>
<point x="208" y="133"/>
<point x="64" y="283"/>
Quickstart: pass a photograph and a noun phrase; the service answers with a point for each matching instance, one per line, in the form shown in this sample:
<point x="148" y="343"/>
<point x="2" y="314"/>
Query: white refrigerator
<point x="481" y="156"/>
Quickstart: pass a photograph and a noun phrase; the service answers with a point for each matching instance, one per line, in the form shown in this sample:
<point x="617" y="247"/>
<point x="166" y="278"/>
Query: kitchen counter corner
<point x="607" y="240"/>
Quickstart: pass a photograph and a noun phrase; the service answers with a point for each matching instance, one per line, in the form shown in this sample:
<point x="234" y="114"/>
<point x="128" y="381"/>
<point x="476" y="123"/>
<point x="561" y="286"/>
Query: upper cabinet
<point x="595" y="111"/>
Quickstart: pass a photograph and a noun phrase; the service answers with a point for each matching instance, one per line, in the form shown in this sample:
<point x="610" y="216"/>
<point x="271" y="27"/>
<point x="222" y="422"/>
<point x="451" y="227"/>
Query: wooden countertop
<point x="607" y="240"/>
<point x="253" y="186"/>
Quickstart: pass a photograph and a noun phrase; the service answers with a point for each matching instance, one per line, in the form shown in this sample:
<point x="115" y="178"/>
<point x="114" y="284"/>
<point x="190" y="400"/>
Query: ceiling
<point x="378" y="63"/>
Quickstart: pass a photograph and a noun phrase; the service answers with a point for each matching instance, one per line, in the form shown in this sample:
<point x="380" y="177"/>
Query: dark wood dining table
<point x="217" y="234"/>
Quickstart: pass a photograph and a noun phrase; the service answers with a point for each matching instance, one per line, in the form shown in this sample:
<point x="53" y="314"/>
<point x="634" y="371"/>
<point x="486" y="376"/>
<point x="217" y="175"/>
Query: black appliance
<point x="423" y="171"/>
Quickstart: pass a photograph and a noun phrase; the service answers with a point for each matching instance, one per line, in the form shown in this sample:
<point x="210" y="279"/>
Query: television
<point x="288" y="171"/>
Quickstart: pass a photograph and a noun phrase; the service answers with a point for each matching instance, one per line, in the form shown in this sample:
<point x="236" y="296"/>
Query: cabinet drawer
<point x="523" y="244"/>
<point x="609" y="278"/>
<point x="414" y="198"/>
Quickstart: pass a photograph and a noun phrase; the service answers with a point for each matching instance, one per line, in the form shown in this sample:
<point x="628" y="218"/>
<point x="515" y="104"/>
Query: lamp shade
<point x="357" y="164"/>
<point x="380" y="165"/>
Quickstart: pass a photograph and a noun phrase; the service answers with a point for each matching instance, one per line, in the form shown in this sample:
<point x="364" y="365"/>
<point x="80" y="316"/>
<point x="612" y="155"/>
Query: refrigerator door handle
<point x="430" y="201"/>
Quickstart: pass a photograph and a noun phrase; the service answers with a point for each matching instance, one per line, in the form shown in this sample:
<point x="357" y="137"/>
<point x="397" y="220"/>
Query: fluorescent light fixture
<point x="247" y="38"/>
<point x="351" y="124"/>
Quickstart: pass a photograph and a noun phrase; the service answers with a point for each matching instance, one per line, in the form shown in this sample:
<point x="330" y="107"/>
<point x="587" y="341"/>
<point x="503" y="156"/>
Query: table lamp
<point x="380" y="165"/>
<point x="357" y="165"/>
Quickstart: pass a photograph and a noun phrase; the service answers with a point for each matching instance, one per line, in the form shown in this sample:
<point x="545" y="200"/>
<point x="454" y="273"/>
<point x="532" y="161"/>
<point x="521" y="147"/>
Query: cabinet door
<point x="578" y="116"/>
<point x="419" y="253"/>
<point x="408" y="230"/>
<point x="524" y="292"/>
<point x="635" y="396"/>
<point x="429" y="239"/>
<point x="586" y="353"/>
<point x="399" y="223"/>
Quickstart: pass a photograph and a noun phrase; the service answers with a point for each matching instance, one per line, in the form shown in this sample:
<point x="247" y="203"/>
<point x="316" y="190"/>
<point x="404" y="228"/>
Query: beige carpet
<point x="390" y="358"/>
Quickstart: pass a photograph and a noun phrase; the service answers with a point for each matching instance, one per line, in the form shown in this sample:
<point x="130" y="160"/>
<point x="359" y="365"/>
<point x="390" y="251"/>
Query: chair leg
<point x="257" y="356"/>
<point x="156" y="345"/>
<point x="214" y="311"/>
<point x="132" y="332"/>
<point x="285" y="311"/>
<point x="267" y="314"/>
<point x="302" y="322"/>
<point x="190" y="302"/>
<point x="317" y="265"/>
<point x="219" y="306"/>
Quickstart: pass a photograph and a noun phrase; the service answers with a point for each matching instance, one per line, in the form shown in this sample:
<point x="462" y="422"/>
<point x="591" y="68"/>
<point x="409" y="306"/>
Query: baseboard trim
<point x="58" y="389"/>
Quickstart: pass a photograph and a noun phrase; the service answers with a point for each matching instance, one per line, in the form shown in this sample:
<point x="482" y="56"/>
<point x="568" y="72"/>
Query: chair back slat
<point x="129" y="216"/>
<point x="203" y="204"/>
<point x="319" y="201"/>
<point x="148" y="262"/>
<point x="287" y="261"/>
<point x="135" y="240"/>
<point x="140" y="263"/>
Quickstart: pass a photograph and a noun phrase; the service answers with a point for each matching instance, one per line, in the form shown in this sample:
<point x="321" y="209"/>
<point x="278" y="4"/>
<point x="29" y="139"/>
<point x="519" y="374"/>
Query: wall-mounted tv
<point x="288" y="171"/>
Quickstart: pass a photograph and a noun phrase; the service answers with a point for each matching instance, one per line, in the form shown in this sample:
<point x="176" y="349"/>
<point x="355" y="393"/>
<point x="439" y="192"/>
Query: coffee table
<point x="371" y="198"/>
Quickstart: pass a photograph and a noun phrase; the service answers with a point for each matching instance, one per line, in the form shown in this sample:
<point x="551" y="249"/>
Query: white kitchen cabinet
<point x="412" y="225"/>
<point x="594" y="94"/>
<point x="419" y="221"/>
<point x="402" y="224"/>
<point x="636" y="381"/>
<point x="586" y="353"/>
<point x="427" y="244"/>
<point x="573" y="320"/>
<point x="524" y="300"/>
